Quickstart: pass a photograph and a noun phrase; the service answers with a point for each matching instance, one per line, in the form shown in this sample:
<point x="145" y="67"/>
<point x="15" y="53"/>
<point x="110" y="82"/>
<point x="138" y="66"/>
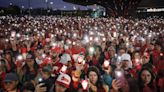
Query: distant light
<point x="46" y="1"/>
<point x="74" y="7"/>
<point x="51" y="2"/>
<point x="155" y="9"/>
<point x="11" y="3"/>
<point x="22" y="6"/>
<point x="31" y="8"/>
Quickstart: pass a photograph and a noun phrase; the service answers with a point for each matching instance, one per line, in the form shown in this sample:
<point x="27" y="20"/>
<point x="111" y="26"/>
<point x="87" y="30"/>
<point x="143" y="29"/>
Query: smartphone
<point x="119" y="75"/>
<point x="41" y="81"/>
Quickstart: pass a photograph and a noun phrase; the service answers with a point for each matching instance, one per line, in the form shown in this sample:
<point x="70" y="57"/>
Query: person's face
<point x="158" y="48"/>
<point x="30" y="62"/>
<point x="93" y="77"/>
<point x="8" y="57"/>
<point x="146" y="77"/>
<point x="136" y="55"/>
<point x="59" y="88"/>
<point x="145" y="59"/>
<point x="111" y="52"/>
<point x="125" y="64"/>
<point x="45" y="75"/>
<point x="122" y="51"/>
<point x="10" y="86"/>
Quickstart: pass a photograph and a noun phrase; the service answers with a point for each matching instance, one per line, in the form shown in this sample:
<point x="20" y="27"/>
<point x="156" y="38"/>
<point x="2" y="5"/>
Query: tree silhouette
<point x="113" y="7"/>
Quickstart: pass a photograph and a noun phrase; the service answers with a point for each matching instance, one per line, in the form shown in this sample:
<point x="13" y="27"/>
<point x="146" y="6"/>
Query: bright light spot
<point x="118" y="73"/>
<point x="20" y="57"/>
<point x="43" y="55"/>
<point x="18" y="35"/>
<point x="106" y="63"/>
<point x="64" y="68"/>
<point x="91" y="49"/>
<point x="104" y="39"/>
<point x="84" y="84"/>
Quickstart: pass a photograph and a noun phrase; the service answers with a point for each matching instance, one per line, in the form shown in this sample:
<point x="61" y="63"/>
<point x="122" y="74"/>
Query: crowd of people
<point x="81" y="54"/>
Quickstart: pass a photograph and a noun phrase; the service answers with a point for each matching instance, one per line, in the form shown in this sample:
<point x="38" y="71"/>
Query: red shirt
<point x="77" y="50"/>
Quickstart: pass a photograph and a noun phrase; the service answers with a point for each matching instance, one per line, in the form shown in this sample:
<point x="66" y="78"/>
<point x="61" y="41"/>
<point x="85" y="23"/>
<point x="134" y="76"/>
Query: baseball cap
<point x="64" y="79"/>
<point x="65" y="58"/>
<point x="47" y="68"/>
<point x="125" y="57"/>
<point x="10" y="77"/>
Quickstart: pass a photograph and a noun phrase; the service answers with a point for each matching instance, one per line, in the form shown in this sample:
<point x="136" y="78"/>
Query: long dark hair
<point x="99" y="83"/>
<point x="152" y="82"/>
<point x="35" y="66"/>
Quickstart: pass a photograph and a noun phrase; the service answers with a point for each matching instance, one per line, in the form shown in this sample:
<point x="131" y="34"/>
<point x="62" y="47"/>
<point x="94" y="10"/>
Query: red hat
<point x="64" y="79"/>
<point x="57" y="49"/>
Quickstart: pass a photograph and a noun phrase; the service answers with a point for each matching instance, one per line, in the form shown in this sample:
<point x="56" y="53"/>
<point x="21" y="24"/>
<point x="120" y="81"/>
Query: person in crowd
<point x="46" y="77"/>
<point x="11" y="67"/>
<point x="30" y="69"/>
<point x="71" y="44"/>
<point x="11" y="83"/>
<point x="107" y="76"/>
<point x="95" y="82"/>
<point x="28" y="87"/>
<point x="146" y="81"/>
<point x="61" y="84"/>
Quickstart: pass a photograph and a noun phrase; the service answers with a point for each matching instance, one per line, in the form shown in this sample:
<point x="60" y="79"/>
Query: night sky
<point x="57" y="4"/>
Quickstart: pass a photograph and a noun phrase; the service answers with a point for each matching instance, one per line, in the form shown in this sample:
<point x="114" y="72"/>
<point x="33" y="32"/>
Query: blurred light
<point x="104" y="38"/>
<point x="119" y="58"/>
<point x="18" y="35"/>
<point x="13" y="34"/>
<point x="75" y="35"/>
<point x="7" y="40"/>
<point x="106" y="63"/>
<point x="137" y="61"/>
<point x="91" y="38"/>
<point x="20" y="57"/>
<point x="84" y="84"/>
<point x="118" y="73"/>
<point x="74" y="43"/>
<point x="54" y="44"/>
<point x="114" y="34"/>
<point x="51" y="3"/>
<point x="64" y="68"/>
<point x="43" y="55"/>
<point x="96" y="39"/>
<point x="40" y="79"/>
<point x="91" y="49"/>
<point x="155" y="9"/>
<point x="74" y="8"/>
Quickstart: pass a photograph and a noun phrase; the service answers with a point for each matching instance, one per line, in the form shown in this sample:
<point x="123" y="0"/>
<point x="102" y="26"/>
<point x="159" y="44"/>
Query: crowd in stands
<point x="81" y="54"/>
